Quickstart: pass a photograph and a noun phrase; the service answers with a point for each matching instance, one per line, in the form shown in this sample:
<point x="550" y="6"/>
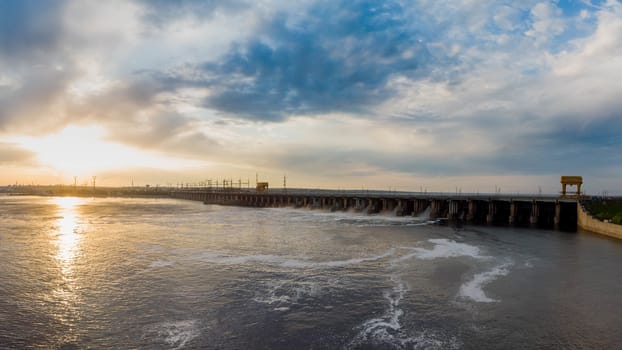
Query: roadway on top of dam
<point x="386" y="194"/>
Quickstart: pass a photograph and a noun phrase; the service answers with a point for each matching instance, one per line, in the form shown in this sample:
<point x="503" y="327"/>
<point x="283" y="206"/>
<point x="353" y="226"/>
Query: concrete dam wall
<point x="526" y="211"/>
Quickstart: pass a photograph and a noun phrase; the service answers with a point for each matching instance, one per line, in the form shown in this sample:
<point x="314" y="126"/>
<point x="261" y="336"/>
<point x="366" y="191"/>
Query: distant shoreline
<point x="67" y="191"/>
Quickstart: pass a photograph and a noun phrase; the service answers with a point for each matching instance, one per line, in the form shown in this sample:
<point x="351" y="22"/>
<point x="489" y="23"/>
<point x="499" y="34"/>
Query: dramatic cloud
<point x="30" y="29"/>
<point x="329" y="92"/>
<point x="11" y="154"/>
<point x="162" y="12"/>
<point x="337" y="57"/>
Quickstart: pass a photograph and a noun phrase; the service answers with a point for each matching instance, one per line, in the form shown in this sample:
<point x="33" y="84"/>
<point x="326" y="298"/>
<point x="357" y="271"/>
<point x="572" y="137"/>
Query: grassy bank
<point x="606" y="210"/>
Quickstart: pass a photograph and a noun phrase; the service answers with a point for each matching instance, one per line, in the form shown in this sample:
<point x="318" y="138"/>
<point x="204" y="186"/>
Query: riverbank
<point x="588" y="222"/>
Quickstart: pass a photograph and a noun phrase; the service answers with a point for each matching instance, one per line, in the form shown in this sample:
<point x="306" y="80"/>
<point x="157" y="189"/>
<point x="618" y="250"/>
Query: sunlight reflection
<point x="68" y="238"/>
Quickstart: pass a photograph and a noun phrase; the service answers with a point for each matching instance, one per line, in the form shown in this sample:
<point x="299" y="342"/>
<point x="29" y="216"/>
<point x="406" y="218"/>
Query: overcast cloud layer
<point x="340" y="93"/>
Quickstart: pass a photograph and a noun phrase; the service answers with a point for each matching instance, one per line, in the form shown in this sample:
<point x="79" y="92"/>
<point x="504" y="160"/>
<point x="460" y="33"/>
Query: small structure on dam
<point x="571" y="181"/>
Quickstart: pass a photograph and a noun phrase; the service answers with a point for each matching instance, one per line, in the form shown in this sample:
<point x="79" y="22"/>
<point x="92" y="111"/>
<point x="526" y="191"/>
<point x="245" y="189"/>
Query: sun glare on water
<point x="68" y="233"/>
<point x="67" y="236"/>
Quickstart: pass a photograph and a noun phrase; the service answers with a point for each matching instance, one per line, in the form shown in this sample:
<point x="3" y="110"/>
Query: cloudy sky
<point x="412" y="94"/>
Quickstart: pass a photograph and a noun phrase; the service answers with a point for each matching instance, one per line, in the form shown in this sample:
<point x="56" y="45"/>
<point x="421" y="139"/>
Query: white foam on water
<point x="272" y="299"/>
<point x="352" y="217"/>
<point x="384" y="329"/>
<point x="287" y="261"/>
<point x="424" y="223"/>
<point x="178" y="333"/>
<point x="281" y="309"/>
<point x="289" y="292"/>
<point x="161" y="263"/>
<point x="219" y="258"/>
<point x="443" y="248"/>
<point x="273" y="296"/>
<point x="340" y="263"/>
<point x="473" y="289"/>
<point x="308" y="289"/>
<point x="387" y="329"/>
<point x="430" y="340"/>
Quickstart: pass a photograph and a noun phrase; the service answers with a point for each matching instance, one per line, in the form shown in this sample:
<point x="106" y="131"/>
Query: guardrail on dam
<point x="502" y="209"/>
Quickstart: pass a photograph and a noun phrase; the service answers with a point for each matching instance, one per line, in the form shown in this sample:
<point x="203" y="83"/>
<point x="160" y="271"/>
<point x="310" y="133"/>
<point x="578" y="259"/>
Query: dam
<point x="544" y="211"/>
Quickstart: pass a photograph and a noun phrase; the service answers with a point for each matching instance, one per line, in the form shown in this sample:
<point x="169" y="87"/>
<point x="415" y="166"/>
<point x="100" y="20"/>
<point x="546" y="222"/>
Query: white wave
<point x="429" y="340"/>
<point x="443" y="248"/>
<point x="274" y="294"/>
<point x="272" y="299"/>
<point x="161" y="263"/>
<point x="308" y="289"/>
<point x="290" y="291"/>
<point x="287" y="261"/>
<point x="176" y="334"/>
<point x="218" y="258"/>
<point x="351" y="217"/>
<point x="473" y="289"/>
<point x="385" y="329"/>
<point x="340" y="263"/>
<point x="388" y="331"/>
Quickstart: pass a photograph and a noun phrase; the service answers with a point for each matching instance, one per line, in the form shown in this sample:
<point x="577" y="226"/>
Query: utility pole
<point x="94" y="178"/>
<point x="284" y="183"/>
<point x="75" y="182"/>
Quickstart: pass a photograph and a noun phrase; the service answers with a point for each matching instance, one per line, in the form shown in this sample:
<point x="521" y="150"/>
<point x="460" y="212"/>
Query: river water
<point x="171" y="274"/>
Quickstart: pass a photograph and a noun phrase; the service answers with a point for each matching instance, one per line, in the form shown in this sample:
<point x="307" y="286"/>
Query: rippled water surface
<point x="172" y="274"/>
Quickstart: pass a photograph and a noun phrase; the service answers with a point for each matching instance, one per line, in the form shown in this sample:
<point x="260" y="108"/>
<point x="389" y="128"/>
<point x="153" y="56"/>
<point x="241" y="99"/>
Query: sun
<point x="83" y="151"/>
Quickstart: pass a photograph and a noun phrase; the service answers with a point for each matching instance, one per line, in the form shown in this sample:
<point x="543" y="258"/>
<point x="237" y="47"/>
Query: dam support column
<point x="416" y="207"/>
<point x="372" y="208"/>
<point x="399" y="209"/>
<point x="391" y="205"/>
<point x="453" y="210"/>
<point x="435" y="210"/>
<point x="490" y="218"/>
<point x="558" y="215"/>
<point x="472" y="212"/>
<point x="357" y="204"/>
<point x="535" y="212"/>
<point x="512" y="218"/>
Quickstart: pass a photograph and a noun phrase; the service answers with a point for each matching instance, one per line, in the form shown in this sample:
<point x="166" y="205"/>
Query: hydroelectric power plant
<point x="520" y="210"/>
